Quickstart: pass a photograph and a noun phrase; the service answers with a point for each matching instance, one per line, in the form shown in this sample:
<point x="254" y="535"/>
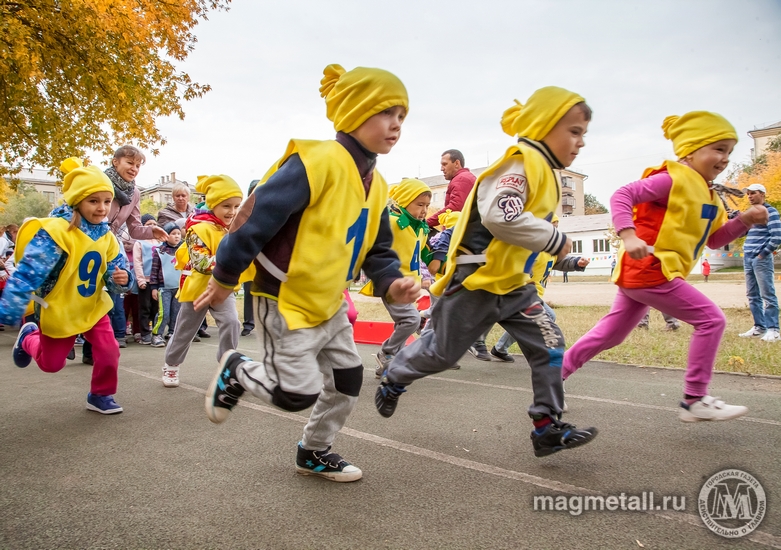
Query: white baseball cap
<point x="755" y="187"/>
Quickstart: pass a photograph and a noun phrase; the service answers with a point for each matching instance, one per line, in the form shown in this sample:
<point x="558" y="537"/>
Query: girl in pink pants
<point x="664" y="221"/>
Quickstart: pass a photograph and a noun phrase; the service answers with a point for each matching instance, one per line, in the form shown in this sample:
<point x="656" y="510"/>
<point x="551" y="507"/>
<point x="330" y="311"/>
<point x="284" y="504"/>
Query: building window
<point x="601" y="245"/>
<point x="49" y="196"/>
<point x="167" y="198"/>
<point x="567" y="182"/>
<point x="577" y="247"/>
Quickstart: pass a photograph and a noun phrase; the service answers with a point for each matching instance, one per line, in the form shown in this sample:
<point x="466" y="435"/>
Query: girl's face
<point x="711" y="160"/>
<point x="180" y="201"/>
<point x="227" y="210"/>
<point x="127" y="167"/>
<point x="95" y="207"/>
<point x="419" y="207"/>
<point x="382" y="131"/>
<point x="174" y="237"/>
<point x="566" y="138"/>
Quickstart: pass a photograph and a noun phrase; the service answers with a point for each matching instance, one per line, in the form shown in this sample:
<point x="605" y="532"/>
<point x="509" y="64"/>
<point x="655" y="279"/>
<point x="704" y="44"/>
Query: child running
<point x="410" y="202"/>
<point x="505" y="224"/>
<point x="664" y="220"/>
<point x="164" y="280"/>
<point x="204" y="234"/>
<point x="64" y="263"/>
<point x="316" y="219"/>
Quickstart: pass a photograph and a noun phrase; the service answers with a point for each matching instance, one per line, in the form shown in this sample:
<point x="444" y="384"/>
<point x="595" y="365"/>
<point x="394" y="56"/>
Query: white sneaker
<point x="771" y="335"/>
<point x="755" y="332"/>
<point x="170" y="376"/>
<point x="710" y="408"/>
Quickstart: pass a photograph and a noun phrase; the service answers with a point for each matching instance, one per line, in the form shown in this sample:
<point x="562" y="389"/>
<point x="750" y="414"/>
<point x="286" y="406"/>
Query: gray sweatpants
<point x="461" y="316"/>
<point x="407" y="321"/>
<point x="321" y="360"/>
<point x="189" y="321"/>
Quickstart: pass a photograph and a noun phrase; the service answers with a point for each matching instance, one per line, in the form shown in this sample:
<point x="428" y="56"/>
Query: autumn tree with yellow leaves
<point x="91" y="74"/>
<point x="766" y="170"/>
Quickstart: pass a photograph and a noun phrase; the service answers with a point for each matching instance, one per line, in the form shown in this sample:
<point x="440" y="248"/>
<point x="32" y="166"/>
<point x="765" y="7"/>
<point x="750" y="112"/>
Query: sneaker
<point x="383" y="360"/>
<point x="129" y="329"/>
<point x="196" y="338"/>
<point x="122" y="342"/>
<point x="558" y="436"/>
<point x="71" y="354"/>
<point x="246" y="332"/>
<point x="387" y="396"/>
<point x="146" y="340"/>
<point x="672" y="327"/>
<point x="137" y="337"/>
<point x="87" y="360"/>
<point x="771" y="335"/>
<point x="21" y="357"/>
<point x="325" y="464"/>
<point x="170" y="376"/>
<point x="104" y="404"/>
<point x="710" y="408"/>
<point x="224" y="391"/>
<point x="502" y="356"/>
<point x="643" y="326"/>
<point x="79" y="341"/>
<point x="203" y="334"/>
<point x="157" y="341"/>
<point x="755" y="332"/>
<point x="168" y="336"/>
<point x="480" y="351"/>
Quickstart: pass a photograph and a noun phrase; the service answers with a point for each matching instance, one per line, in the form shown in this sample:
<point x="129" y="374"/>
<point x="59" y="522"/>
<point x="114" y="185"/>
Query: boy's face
<point x="566" y="138"/>
<point x="381" y="132"/>
<point x="127" y="167"/>
<point x="711" y="160"/>
<point x="95" y="207"/>
<point x="227" y="210"/>
<point x="419" y="207"/>
<point x="150" y="223"/>
<point x="174" y="237"/>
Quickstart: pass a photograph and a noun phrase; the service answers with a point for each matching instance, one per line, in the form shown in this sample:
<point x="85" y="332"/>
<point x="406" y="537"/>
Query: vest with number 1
<point x="77" y="301"/>
<point x="337" y="229"/>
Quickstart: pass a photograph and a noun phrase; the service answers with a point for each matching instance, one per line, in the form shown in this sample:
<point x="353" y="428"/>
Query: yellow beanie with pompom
<point x="695" y="130"/>
<point x="352" y="97"/>
<point x="448" y="218"/>
<point x="407" y="191"/>
<point x="82" y="181"/>
<point x="539" y="115"/>
<point x="217" y="189"/>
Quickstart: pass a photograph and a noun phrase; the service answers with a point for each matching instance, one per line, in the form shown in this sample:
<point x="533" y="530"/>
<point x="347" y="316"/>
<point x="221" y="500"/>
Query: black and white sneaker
<point x="224" y="392"/>
<point x="325" y="464"/>
<point x="480" y="351"/>
<point x="387" y="396"/>
<point x="502" y="355"/>
<point x="558" y="436"/>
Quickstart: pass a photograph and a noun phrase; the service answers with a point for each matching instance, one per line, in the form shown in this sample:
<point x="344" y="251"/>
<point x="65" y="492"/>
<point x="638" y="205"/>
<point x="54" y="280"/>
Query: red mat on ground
<point x="424" y="302"/>
<point x="374" y="332"/>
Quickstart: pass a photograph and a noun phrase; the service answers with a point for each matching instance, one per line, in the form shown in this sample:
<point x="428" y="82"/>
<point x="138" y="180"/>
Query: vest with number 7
<point x="337" y="229"/>
<point x="77" y="301"/>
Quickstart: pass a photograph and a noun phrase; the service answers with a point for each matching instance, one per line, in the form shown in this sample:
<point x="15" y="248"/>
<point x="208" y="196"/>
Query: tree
<point x="768" y="173"/>
<point x="149" y="206"/>
<point x="91" y="74"/>
<point x="593" y="206"/>
<point x="23" y="203"/>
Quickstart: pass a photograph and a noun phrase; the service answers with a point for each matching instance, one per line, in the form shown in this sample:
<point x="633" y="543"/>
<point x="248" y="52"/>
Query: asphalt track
<point x="453" y="468"/>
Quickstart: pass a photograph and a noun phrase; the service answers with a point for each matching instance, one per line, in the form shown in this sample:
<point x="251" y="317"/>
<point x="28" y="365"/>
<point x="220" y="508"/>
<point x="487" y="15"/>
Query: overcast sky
<point x="463" y="63"/>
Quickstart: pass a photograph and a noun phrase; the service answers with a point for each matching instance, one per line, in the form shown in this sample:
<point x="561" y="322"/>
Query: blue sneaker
<point x="104" y="404"/>
<point x="21" y="357"/>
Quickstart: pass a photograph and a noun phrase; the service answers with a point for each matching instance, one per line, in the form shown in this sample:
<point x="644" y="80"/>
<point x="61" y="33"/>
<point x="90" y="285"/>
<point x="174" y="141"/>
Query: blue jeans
<point x="505" y="341"/>
<point x="761" y="291"/>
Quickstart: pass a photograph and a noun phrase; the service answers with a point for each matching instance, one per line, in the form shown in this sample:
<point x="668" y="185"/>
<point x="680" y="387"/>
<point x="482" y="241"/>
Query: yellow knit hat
<point x="448" y="218"/>
<point x="81" y="181"/>
<point x="695" y="130"/>
<point x="352" y="97"/>
<point x="217" y="189"/>
<point x="407" y="191"/>
<point x="539" y="115"/>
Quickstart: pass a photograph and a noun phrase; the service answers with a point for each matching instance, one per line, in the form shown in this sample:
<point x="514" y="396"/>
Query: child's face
<point x="227" y="209"/>
<point x="150" y="223"/>
<point x="381" y="132"/>
<point x="711" y="160"/>
<point x="419" y="207"/>
<point x="174" y="237"/>
<point x="95" y="207"/>
<point x="566" y="138"/>
<point x="127" y="167"/>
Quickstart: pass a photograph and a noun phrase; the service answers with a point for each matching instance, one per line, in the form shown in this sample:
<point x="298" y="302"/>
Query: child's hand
<point x="434" y="266"/>
<point x="154" y="294"/>
<point x="636" y="247"/>
<point x="214" y="294"/>
<point x="159" y="233"/>
<point x="403" y="291"/>
<point x="425" y="284"/>
<point x="119" y="276"/>
<point x="756" y="214"/>
<point x="583" y="262"/>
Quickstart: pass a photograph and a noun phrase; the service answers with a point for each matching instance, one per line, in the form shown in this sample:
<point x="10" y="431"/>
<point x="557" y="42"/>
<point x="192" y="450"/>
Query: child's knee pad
<point x="349" y="381"/>
<point x="290" y="401"/>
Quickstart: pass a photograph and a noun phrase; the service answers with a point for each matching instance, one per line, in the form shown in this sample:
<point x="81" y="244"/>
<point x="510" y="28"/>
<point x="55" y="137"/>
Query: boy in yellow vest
<point x="505" y="224"/>
<point x="317" y="217"/>
<point x="204" y="232"/>
<point x="64" y="263"/>
<point x="410" y="201"/>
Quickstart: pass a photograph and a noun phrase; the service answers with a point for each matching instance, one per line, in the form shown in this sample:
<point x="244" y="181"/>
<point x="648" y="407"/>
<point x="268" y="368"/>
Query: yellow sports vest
<point x="541" y="271"/>
<point x="507" y="267"/>
<point x="694" y="213"/>
<point x="337" y="229"/>
<point x="77" y="301"/>
<point x="195" y="283"/>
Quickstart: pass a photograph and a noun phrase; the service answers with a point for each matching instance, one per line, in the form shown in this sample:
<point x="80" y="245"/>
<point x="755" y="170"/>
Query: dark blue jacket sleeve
<point x="382" y="263"/>
<point x="262" y="216"/>
<point x="440" y="247"/>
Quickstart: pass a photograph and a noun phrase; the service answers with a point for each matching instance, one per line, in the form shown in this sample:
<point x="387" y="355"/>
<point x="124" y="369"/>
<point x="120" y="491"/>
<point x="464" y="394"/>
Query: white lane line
<point x="759" y="537"/>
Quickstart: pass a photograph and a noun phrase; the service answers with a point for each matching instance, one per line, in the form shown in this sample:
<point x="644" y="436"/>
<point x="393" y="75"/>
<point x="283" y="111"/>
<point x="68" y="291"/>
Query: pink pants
<point x="50" y="354"/>
<point x="352" y="313"/>
<point x="677" y="298"/>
